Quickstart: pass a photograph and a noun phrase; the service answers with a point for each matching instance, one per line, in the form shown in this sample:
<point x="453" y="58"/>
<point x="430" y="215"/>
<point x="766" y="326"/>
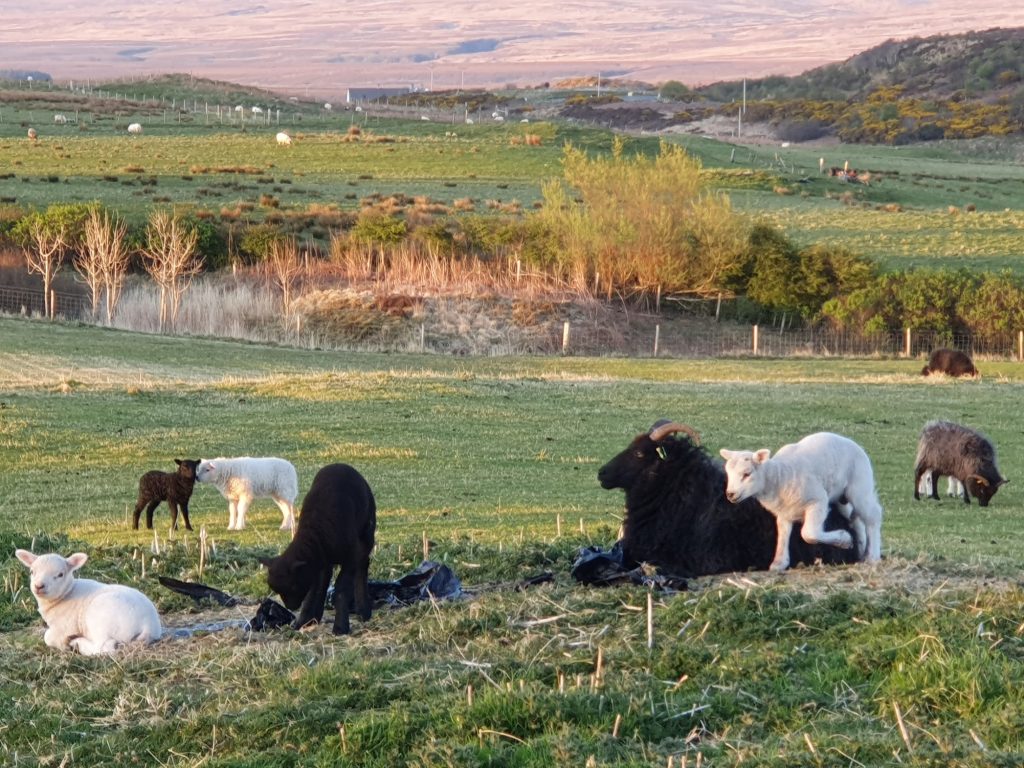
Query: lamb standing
<point x="284" y="140"/>
<point x="244" y="479"/>
<point x="135" y="129"/>
<point x="337" y="527"/>
<point x="173" y="487"/>
<point x="85" y="615"/>
<point x="960" y="453"/>
<point x="799" y="483"/>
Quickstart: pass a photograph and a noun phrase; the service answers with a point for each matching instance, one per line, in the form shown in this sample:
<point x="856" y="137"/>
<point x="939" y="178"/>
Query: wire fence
<point x="578" y="337"/>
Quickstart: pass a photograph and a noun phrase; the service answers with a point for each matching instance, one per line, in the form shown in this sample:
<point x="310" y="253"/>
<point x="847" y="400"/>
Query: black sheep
<point x="951" y="362"/>
<point x="173" y="487"/>
<point x="678" y="518"/>
<point x="336" y="527"/>
<point x="947" y="448"/>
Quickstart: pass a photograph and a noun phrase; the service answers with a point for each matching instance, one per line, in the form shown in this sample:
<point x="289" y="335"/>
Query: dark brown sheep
<point x="951" y="362"/>
<point x="173" y="487"/>
<point x="336" y="527"/>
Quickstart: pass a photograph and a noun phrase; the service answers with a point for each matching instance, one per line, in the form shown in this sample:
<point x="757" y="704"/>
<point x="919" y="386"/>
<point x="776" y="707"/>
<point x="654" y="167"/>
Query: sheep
<point x="960" y="453"/>
<point x="135" y="129"/>
<point x="951" y="362"/>
<point x="243" y="479"/>
<point x="678" y="519"/>
<point x="32" y="134"/>
<point x="800" y="482"/>
<point x="85" y="615"/>
<point x="173" y="487"/>
<point x="60" y="119"/>
<point x="284" y="140"/>
<point x="336" y="527"/>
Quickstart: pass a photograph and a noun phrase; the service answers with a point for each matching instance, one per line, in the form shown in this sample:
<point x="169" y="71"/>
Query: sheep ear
<point x="725" y="453"/>
<point x="77" y="560"/>
<point x="25" y="556"/>
<point x="178" y="462"/>
<point x="979" y="480"/>
<point x="761" y="456"/>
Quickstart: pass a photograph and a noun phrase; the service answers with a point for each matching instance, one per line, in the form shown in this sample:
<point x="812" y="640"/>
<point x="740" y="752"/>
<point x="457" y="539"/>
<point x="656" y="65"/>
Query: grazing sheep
<point x="951" y="362"/>
<point x="927" y="486"/>
<point x="800" y="482"/>
<point x="960" y="453"/>
<point x="59" y="119"/>
<point x="243" y="479"/>
<point x="173" y="487"/>
<point x="32" y="135"/>
<point x="284" y="140"/>
<point x="678" y="519"/>
<point x="336" y="527"/>
<point x="85" y="615"/>
<point x="135" y="129"/>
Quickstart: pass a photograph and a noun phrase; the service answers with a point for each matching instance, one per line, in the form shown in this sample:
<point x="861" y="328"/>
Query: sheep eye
<point x="746" y="475"/>
<point x="60" y="575"/>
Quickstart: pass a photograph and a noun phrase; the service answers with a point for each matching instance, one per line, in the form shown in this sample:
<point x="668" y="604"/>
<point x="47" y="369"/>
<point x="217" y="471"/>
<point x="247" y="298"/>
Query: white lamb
<point x="799" y="483"/>
<point x="283" y="139"/>
<point x="135" y="129"/>
<point x="243" y="479"/>
<point x="85" y="615"/>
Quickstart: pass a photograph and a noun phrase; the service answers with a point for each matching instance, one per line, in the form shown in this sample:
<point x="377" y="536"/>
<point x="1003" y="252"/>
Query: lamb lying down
<point x="85" y="615"/>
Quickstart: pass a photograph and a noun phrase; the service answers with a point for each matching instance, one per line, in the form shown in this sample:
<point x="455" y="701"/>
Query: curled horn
<point x="664" y="430"/>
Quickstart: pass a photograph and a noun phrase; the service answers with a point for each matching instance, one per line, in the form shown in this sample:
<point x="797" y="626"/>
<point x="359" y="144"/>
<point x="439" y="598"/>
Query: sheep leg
<point x="783" y="529"/>
<point x="312" y="608"/>
<point x="174" y="514"/>
<point x="232" y="513"/>
<point x="149" y="512"/>
<point x="287" y="512"/>
<point x="362" y="588"/>
<point x="813" y="530"/>
<point x="343" y="594"/>
<point x="919" y="470"/>
<point x="241" y="509"/>
<point x="138" y="513"/>
<point x="87" y="647"/>
<point x="184" y="514"/>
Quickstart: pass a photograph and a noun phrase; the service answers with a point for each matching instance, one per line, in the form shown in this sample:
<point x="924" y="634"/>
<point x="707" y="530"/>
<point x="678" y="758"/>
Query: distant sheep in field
<point x="84" y="615"/>
<point x="960" y="453"/>
<point x="59" y="119"/>
<point x="337" y="527"/>
<point x="173" y="487"/>
<point x="284" y="140"/>
<point x="951" y="362"/>
<point x="243" y="479"/>
<point x="800" y="482"/>
<point x="257" y="110"/>
<point x="32" y="135"/>
<point x="135" y="129"/>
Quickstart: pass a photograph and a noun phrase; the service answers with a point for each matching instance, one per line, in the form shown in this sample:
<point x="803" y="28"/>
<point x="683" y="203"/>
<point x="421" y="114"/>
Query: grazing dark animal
<point x="678" y="518"/>
<point x="336" y="527"/>
<point x="951" y="362"/>
<point x="947" y="448"/>
<point x="173" y="487"/>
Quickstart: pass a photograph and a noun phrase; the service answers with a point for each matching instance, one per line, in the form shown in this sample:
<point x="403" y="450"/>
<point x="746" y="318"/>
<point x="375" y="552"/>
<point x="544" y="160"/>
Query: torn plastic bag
<point x="271" y="615"/>
<point x="428" y="581"/>
<point x="598" y="567"/>
<point x="199" y="592"/>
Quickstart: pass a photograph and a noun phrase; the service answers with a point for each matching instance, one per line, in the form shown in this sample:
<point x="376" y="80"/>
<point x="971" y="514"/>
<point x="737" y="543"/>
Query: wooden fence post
<point x="755" y="340"/>
<point x="657" y="338"/>
<point x="906" y="343"/>
<point x="565" y="337"/>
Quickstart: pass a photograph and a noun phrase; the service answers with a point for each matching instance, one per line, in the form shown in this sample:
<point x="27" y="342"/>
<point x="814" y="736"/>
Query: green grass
<point x="486" y="457"/>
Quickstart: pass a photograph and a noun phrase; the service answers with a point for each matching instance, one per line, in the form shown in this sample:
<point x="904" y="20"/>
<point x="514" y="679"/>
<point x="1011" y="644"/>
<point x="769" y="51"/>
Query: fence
<point x="647" y="336"/>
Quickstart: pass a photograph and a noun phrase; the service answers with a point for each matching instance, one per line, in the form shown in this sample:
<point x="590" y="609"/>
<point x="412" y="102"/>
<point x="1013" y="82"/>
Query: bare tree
<point x="49" y="240"/>
<point x="103" y="260"/>
<point x="169" y="257"/>
<point x="285" y="266"/>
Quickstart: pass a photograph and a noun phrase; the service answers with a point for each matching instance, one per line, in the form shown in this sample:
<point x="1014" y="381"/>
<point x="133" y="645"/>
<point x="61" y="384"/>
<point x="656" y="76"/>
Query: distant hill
<point x="971" y="65"/>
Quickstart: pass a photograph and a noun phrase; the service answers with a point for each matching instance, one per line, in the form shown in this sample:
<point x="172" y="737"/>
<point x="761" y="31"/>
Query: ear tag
<point x="661" y="452"/>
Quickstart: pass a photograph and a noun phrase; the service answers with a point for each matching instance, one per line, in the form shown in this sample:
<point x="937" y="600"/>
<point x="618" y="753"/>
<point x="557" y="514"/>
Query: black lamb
<point x="336" y="527"/>
<point x="679" y="520"/>
<point x="947" y="448"/>
<point x="173" y="487"/>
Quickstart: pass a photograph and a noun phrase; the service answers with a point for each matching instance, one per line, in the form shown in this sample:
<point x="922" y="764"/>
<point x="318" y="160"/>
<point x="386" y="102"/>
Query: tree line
<point x="614" y="225"/>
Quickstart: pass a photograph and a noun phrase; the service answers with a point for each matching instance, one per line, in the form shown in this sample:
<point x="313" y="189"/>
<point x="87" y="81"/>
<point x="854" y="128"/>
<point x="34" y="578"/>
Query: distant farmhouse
<point x="363" y="95"/>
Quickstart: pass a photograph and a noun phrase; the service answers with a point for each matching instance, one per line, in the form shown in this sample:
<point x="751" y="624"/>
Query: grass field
<point x="914" y="661"/>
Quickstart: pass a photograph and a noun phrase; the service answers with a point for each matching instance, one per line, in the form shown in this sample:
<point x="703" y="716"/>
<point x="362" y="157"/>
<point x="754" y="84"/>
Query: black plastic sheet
<point x="599" y="567"/>
<point x="429" y="581"/>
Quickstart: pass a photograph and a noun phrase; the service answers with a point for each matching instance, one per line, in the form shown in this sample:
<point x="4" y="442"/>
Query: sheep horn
<point x="663" y="431"/>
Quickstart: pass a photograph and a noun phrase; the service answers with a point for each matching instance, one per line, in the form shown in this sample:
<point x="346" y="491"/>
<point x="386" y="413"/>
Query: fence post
<point x="565" y="337"/>
<point x="53" y="304"/>
<point x="906" y="343"/>
<point x="1020" y="346"/>
<point x="755" y="339"/>
<point x="657" y="337"/>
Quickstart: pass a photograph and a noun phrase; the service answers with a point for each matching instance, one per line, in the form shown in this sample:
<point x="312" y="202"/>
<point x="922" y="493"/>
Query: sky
<point x="321" y="47"/>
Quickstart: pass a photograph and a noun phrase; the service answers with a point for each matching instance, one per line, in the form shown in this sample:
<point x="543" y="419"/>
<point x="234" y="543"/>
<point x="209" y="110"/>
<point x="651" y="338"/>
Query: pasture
<point x="491" y="464"/>
<point x="218" y="167"/>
